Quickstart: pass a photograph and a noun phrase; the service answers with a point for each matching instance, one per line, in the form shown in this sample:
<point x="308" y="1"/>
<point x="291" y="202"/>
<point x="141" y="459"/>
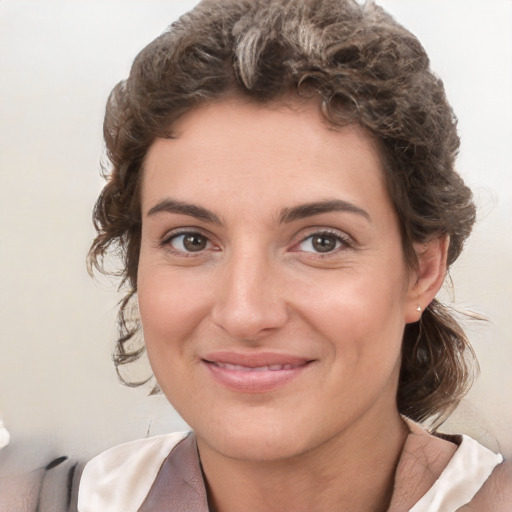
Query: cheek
<point x="167" y="300"/>
<point x="363" y="317"/>
<point x="170" y="311"/>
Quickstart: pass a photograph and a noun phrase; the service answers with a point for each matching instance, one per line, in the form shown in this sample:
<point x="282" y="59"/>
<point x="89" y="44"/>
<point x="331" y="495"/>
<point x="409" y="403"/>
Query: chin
<point x="258" y="447"/>
<point x="261" y="439"/>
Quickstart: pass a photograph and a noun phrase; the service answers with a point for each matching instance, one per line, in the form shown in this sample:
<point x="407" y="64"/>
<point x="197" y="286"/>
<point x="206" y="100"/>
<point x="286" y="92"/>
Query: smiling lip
<point x="255" y="373"/>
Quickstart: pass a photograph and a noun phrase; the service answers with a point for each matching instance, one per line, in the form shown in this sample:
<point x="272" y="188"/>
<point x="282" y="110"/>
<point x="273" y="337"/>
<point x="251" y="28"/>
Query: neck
<point x="354" y="469"/>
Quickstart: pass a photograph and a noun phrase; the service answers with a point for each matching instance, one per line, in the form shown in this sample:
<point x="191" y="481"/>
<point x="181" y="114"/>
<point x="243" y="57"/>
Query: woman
<point x="283" y="196"/>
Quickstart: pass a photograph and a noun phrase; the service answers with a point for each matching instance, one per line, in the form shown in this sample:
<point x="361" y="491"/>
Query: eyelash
<point x="166" y="242"/>
<point x="344" y="242"/>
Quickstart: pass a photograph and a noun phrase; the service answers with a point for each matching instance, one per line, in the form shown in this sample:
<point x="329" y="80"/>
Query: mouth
<point x="240" y="368"/>
<point x="258" y="373"/>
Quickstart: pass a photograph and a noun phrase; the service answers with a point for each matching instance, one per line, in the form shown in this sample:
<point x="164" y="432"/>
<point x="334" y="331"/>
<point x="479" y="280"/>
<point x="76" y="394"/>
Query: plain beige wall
<point x="58" y="61"/>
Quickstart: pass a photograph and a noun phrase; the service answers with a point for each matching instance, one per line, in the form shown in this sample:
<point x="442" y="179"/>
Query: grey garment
<point x="179" y="485"/>
<point x="53" y="488"/>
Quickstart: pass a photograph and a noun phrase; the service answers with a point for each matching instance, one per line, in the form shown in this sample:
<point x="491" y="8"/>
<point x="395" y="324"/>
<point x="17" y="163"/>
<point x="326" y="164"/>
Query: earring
<point x="418" y="309"/>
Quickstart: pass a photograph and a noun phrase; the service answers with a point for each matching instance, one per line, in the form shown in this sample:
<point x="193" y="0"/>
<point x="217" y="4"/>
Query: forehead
<point x="287" y="152"/>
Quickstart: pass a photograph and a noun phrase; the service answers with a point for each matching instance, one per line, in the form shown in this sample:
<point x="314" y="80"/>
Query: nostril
<point x="249" y="326"/>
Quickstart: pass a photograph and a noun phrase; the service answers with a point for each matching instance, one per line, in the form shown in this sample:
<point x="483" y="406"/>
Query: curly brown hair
<point x="361" y="66"/>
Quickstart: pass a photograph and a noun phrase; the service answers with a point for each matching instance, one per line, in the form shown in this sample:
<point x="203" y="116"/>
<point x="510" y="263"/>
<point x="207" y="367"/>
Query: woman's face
<point x="272" y="286"/>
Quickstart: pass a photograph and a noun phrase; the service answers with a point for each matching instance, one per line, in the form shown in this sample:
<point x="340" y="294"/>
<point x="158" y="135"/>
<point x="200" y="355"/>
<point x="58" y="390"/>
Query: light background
<point x="58" y="61"/>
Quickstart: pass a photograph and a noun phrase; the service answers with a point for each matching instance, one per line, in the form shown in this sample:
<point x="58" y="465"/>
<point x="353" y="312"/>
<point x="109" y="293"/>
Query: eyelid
<point x="165" y="241"/>
<point x="346" y="241"/>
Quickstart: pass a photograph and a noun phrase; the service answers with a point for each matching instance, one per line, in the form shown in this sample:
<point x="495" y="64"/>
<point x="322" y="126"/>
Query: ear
<point x="427" y="279"/>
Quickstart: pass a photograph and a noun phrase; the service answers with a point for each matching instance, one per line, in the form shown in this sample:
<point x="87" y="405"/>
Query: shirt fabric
<point x="163" y="474"/>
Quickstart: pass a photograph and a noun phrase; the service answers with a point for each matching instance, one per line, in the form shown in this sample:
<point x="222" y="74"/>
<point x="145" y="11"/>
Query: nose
<point x="250" y="302"/>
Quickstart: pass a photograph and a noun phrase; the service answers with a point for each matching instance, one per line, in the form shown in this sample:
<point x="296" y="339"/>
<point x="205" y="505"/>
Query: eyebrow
<point x="287" y="215"/>
<point x="316" y="208"/>
<point x="172" y="206"/>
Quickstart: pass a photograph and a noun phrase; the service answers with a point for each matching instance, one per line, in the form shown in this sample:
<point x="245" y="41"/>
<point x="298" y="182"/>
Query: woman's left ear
<point x="428" y="277"/>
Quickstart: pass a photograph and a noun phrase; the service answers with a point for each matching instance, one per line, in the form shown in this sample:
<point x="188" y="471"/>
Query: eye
<point x="188" y="242"/>
<point x="322" y="243"/>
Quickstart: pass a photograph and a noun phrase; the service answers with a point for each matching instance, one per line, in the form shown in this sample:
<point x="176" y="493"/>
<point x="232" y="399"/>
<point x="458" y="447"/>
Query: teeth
<point x="272" y="367"/>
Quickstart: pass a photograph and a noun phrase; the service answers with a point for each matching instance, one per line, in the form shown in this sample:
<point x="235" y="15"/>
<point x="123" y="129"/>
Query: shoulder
<point x="468" y="472"/>
<point x="496" y="494"/>
<point x="121" y="477"/>
<point x="448" y="473"/>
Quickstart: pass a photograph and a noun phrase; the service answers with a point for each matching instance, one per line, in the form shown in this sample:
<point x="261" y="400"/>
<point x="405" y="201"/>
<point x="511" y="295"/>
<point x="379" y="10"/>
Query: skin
<point x="258" y="285"/>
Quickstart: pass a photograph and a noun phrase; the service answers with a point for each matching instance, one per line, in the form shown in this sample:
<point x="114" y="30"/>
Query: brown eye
<point x="322" y="243"/>
<point x="189" y="242"/>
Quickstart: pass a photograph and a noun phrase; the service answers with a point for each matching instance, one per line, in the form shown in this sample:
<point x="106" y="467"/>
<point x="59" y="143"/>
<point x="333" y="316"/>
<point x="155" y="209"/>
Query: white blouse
<point x="120" y="479"/>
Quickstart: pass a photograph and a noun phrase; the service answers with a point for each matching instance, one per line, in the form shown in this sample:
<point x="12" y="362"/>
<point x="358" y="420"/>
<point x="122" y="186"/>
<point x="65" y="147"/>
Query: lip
<point x="254" y="373"/>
